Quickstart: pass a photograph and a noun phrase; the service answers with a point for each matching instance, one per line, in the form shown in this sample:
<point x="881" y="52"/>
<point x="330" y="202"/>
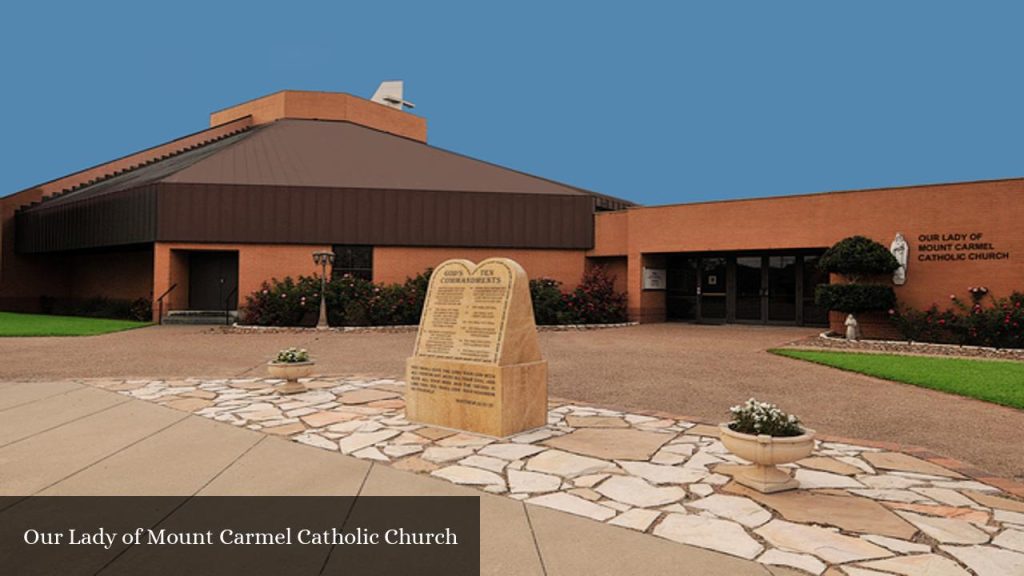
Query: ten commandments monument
<point x="477" y="364"/>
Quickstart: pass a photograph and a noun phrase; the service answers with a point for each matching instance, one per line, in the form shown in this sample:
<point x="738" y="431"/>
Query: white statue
<point x="899" y="251"/>
<point x="852" y="328"/>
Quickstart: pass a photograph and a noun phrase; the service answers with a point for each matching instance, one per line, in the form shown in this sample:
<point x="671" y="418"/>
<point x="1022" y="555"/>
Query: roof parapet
<point x="339" y="106"/>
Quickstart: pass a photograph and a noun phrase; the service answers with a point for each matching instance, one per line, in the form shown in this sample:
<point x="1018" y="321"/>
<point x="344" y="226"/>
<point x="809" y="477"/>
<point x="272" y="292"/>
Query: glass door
<point x="782" y="288"/>
<point x="713" y="289"/>
<point x="681" y="288"/>
<point x="749" y="289"/>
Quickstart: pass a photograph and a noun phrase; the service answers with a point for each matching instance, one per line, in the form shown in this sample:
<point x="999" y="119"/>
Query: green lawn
<point x="1001" y="382"/>
<point x="12" y="324"/>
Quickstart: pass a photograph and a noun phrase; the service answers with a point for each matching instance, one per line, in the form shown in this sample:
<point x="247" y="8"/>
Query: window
<point x="354" y="260"/>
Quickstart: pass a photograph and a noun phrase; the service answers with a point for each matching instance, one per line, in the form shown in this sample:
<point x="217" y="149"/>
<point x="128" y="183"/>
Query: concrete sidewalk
<point x="63" y="438"/>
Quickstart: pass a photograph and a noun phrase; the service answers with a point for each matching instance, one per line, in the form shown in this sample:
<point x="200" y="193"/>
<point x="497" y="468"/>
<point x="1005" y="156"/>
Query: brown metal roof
<point x="327" y="154"/>
<point x="309" y="181"/>
<point x="145" y="174"/>
<point x="324" y="154"/>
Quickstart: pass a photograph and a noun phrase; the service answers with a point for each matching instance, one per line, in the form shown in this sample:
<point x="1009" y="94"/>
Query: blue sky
<point x="656" y="102"/>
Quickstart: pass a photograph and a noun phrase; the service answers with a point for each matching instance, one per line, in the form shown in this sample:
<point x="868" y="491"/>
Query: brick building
<point x="203" y="220"/>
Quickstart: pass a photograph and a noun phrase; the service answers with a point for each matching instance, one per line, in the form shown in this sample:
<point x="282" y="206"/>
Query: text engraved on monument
<point x="465" y="313"/>
<point x="463" y="385"/>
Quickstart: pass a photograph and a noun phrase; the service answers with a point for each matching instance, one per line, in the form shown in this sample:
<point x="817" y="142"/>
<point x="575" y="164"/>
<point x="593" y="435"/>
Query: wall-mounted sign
<point x="957" y="247"/>
<point x="654" y="279"/>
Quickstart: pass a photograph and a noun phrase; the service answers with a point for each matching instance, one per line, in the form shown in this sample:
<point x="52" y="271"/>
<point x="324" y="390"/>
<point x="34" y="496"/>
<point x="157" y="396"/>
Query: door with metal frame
<point x="713" y="290"/>
<point x="750" y="291"/>
<point x="213" y="280"/>
<point x="781" y="289"/>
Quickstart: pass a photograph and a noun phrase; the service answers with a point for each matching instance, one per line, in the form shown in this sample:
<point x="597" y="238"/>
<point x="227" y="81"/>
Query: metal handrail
<point x="227" y="307"/>
<point x="160" y="301"/>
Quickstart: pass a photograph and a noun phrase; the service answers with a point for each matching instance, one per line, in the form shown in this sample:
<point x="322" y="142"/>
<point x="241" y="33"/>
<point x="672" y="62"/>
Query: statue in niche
<point x="899" y="250"/>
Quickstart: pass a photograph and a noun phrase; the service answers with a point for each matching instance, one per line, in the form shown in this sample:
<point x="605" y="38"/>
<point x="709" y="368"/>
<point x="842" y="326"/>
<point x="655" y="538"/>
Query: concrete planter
<point x="766" y="452"/>
<point x="291" y="371"/>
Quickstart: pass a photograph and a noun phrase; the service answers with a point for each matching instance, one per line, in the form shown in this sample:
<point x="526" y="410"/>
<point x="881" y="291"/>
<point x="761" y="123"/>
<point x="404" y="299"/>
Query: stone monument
<point x="899" y="251"/>
<point x="477" y="363"/>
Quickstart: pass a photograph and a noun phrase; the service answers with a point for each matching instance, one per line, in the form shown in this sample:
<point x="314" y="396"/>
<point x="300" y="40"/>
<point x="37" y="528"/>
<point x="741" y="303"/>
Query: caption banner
<point x="239" y="535"/>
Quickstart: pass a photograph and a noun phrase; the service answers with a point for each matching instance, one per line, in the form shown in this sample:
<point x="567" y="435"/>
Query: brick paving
<point x="864" y="508"/>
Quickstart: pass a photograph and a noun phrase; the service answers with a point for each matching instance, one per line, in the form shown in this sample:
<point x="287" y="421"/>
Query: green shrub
<point x="855" y="298"/>
<point x="140" y="309"/>
<point x="858" y="256"/>
<point x="854" y="258"/>
<point x="353" y="301"/>
<point x="349" y="299"/>
<point x="549" y="304"/>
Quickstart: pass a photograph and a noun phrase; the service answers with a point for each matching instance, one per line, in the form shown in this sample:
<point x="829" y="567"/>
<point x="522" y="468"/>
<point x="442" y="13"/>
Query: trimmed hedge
<point x="853" y="258"/>
<point x="855" y="298"/>
<point x="858" y="256"/>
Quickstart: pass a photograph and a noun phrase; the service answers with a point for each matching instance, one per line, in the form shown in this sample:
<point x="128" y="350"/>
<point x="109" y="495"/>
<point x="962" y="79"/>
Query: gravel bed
<point x="827" y="341"/>
<point x="393" y="329"/>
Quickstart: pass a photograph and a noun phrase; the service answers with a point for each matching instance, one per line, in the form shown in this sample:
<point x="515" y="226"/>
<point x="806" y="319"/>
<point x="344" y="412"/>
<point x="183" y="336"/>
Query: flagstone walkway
<point x="863" y="510"/>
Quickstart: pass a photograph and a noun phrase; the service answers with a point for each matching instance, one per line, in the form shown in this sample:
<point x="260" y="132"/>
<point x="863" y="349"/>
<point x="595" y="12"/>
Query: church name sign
<point x="957" y="247"/>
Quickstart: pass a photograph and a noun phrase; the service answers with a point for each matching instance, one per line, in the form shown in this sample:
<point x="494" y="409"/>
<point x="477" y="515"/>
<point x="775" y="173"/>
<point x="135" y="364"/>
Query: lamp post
<point x="323" y="258"/>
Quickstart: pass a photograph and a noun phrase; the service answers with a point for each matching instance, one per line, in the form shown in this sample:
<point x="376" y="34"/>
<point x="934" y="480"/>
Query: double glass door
<point x="747" y="288"/>
<point x="766" y="288"/>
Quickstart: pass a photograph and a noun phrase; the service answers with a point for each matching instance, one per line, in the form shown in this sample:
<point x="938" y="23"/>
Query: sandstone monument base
<point x="477" y="363"/>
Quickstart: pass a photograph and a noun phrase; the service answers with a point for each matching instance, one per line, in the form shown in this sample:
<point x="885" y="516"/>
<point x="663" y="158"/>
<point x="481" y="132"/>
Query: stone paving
<point x="863" y="510"/>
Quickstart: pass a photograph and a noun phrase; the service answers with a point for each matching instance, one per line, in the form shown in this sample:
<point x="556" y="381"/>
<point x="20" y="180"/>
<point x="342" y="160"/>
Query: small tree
<point x="856" y="257"/>
<point x="858" y="260"/>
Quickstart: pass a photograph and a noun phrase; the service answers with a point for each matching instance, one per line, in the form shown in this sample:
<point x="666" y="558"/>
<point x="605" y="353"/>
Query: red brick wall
<point x="326" y="106"/>
<point x="616" y="267"/>
<point x="122" y="274"/>
<point x="256" y="264"/>
<point x="993" y="209"/>
<point x="395" y="264"/>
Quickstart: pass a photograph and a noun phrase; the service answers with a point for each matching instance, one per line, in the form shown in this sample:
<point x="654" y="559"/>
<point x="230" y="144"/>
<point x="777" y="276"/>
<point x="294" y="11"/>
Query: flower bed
<point x="981" y="320"/>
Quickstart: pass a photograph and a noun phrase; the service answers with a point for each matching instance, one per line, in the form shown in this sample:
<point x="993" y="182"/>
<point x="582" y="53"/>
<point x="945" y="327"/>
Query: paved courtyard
<point x="595" y="491"/>
<point x="685" y="369"/>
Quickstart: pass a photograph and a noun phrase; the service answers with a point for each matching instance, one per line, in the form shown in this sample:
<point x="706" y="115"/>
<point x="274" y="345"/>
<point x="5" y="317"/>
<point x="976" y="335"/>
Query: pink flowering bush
<point x="997" y="322"/>
<point x="594" y="301"/>
<point x="351" y="301"/>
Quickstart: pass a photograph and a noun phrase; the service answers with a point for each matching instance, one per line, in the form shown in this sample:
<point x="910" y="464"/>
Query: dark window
<point x="354" y="260"/>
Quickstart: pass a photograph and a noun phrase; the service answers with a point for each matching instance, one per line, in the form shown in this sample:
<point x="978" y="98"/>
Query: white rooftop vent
<point x="389" y="93"/>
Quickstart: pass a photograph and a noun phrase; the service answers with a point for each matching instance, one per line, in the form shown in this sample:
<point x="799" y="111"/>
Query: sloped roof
<point x="149" y="173"/>
<point x="330" y="154"/>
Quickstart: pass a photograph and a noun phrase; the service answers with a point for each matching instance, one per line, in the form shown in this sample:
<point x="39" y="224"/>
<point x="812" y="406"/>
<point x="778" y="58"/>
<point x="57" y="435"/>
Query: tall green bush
<point x="858" y="259"/>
